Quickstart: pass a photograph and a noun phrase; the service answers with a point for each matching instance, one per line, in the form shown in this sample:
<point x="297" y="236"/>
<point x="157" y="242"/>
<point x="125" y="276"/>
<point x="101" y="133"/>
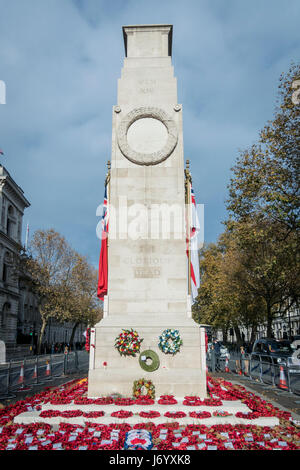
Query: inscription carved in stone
<point x="147" y="272"/>
<point x="147" y="158"/>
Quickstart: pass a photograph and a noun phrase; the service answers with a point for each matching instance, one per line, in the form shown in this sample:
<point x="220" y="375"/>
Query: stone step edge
<point x="138" y="408"/>
<point x="33" y="417"/>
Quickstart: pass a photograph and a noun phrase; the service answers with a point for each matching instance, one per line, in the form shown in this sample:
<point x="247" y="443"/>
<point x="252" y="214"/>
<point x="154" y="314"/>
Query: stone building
<point x="20" y="321"/>
<point x="12" y="206"/>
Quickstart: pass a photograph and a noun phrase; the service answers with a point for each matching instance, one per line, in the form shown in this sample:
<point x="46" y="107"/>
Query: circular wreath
<point x="170" y="341"/>
<point x="200" y="414"/>
<point x="149" y="414"/>
<point x="128" y="343"/>
<point x="154" y="360"/>
<point x="122" y="414"/>
<point x="140" y="385"/>
<point x="175" y="414"/>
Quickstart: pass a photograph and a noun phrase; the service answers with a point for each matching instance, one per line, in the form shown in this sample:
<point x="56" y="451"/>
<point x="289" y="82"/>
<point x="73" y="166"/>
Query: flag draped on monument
<point x="102" y="276"/>
<point x="193" y="228"/>
<point x="192" y="252"/>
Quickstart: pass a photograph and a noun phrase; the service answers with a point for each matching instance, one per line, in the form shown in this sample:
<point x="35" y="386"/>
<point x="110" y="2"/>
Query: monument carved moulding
<point x="146" y="114"/>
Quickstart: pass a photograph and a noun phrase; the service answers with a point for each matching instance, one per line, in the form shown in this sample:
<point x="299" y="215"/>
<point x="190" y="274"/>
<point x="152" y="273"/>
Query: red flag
<point x="102" y="279"/>
<point x="103" y="265"/>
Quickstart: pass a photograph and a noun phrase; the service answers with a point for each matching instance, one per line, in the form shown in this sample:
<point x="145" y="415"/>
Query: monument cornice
<point x="165" y="28"/>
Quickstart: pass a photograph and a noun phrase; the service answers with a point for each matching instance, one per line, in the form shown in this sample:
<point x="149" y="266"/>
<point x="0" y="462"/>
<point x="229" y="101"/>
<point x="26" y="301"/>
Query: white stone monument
<point x="147" y="262"/>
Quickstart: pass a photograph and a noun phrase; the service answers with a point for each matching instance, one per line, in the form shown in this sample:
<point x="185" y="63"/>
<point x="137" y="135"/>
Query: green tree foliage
<point x="63" y="280"/>
<point x="265" y="179"/>
<point x="252" y="273"/>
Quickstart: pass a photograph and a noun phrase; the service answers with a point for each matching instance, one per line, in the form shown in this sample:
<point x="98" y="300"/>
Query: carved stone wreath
<point x="147" y="158"/>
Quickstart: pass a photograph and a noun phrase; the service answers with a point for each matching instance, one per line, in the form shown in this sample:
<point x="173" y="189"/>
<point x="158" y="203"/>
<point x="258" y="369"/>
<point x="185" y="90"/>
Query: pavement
<point x="54" y="382"/>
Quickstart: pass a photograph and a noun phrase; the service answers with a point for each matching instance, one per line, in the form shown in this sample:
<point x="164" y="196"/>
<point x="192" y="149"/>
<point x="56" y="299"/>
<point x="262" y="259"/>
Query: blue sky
<point x="60" y="60"/>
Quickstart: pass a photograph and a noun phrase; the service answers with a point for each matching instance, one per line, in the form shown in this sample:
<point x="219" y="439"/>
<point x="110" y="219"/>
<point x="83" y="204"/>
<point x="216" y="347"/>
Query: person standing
<point x="217" y="351"/>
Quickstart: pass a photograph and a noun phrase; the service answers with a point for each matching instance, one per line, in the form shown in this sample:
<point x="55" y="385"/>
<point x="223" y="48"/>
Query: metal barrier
<point x="16" y="376"/>
<point x="265" y="369"/>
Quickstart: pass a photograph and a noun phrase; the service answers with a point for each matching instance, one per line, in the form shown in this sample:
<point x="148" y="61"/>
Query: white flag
<point x="194" y="231"/>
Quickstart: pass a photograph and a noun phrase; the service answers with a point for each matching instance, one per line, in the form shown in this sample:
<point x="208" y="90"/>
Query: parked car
<point x="277" y="351"/>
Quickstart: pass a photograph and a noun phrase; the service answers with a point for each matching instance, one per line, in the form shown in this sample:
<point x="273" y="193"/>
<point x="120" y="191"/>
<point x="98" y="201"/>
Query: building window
<point x="9" y="222"/>
<point x="4" y="314"/>
<point x="4" y="273"/>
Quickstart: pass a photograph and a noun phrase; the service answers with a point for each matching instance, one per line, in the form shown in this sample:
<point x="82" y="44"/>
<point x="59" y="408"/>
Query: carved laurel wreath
<point x="147" y="158"/>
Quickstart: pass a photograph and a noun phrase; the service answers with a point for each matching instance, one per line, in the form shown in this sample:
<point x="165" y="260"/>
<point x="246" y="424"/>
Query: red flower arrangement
<point x="124" y="401"/>
<point x="149" y="414"/>
<point x="71" y="413"/>
<point x="122" y="414"/>
<point x="50" y="413"/>
<point x="93" y="436"/>
<point x="83" y="401"/>
<point x="167" y="400"/>
<point x="93" y="414"/>
<point x="192" y="401"/>
<point x="251" y="415"/>
<point x="103" y="401"/>
<point x="221" y="413"/>
<point x="60" y="401"/>
<point x="144" y="400"/>
<point x="199" y="414"/>
<point x="175" y="414"/>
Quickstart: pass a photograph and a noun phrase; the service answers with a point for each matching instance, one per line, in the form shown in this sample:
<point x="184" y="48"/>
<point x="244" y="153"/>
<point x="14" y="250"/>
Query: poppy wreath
<point x="175" y="414"/>
<point x="221" y="413"/>
<point x="122" y="414"/>
<point x="167" y="400"/>
<point x="144" y="400"/>
<point x="140" y="385"/>
<point x="124" y="402"/>
<point x="149" y="414"/>
<point x="128" y="343"/>
<point x="154" y="360"/>
<point x="200" y="414"/>
<point x="170" y="341"/>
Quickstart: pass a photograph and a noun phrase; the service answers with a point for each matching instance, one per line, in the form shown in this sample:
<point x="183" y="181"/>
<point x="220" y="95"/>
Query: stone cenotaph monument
<point x="147" y="262"/>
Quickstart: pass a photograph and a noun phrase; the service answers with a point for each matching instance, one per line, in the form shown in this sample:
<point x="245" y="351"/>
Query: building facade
<point x="12" y="206"/>
<point x="20" y="321"/>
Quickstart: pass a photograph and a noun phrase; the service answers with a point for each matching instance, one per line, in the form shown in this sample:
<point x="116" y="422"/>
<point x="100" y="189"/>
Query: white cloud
<point x="61" y="59"/>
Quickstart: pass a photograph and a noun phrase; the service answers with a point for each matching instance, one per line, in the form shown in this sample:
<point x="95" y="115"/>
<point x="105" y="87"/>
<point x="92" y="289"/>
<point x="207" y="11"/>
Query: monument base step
<point x="231" y="407"/>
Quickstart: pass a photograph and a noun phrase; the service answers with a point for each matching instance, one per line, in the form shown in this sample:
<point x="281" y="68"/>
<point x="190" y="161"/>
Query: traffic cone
<point x="48" y="372"/>
<point x="282" y="381"/>
<point x="21" y="376"/>
<point x="226" y="365"/>
<point x="34" y="375"/>
<point x="21" y="380"/>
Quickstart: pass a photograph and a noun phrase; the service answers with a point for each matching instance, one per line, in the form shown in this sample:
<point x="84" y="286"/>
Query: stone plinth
<point x="231" y="407"/>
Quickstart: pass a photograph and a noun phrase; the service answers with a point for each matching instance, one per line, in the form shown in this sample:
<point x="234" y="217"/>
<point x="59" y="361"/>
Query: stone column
<point x="147" y="263"/>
